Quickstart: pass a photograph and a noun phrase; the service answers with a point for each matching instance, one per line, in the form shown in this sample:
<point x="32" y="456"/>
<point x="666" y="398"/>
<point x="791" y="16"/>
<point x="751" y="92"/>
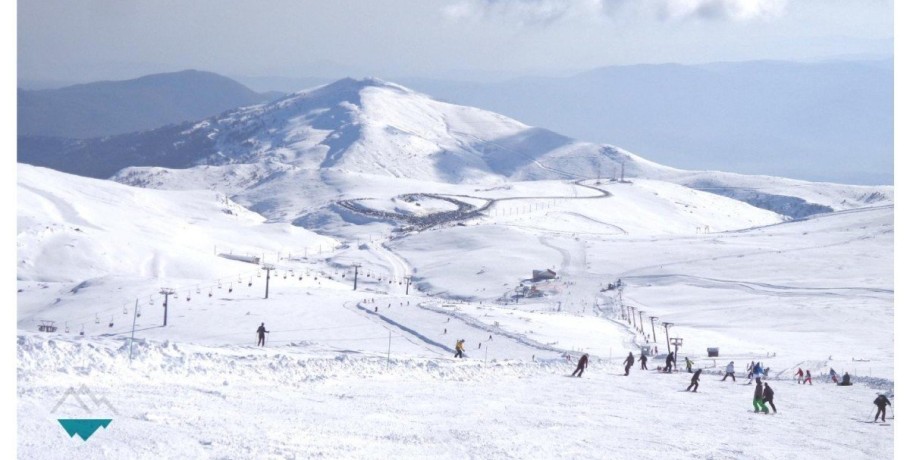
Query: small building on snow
<point x="540" y="275"/>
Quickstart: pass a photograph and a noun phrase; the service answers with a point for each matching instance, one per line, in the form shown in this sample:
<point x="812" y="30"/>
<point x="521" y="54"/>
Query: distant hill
<point x="116" y="107"/>
<point x="806" y="120"/>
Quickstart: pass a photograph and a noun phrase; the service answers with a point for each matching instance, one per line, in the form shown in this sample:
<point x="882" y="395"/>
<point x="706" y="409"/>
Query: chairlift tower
<point x="666" y="326"/>
<point x="166" y="292"/>
<point x="268" y="270"/>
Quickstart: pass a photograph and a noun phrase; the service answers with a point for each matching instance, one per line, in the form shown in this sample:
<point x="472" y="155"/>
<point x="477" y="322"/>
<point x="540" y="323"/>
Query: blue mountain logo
<point x="84" y="427"/>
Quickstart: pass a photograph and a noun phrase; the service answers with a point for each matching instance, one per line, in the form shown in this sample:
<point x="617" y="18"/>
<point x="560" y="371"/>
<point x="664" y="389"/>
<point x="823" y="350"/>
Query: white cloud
<point x="523" y="11"/>
<point x="549" y="11"/>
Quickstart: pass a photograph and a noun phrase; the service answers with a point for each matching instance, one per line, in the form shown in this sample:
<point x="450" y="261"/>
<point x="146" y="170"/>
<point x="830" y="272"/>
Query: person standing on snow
<point x="644" y="362"/>
<point x="768" y="396"/>
<point x="459" y="348"/>
<point x="758" y="398"/>
<point x="808" y="377"/>
<point x="799" y="375"/>
<point x="756" y="372"/>
<point x="749" y="370"/>
<point x="630" y="360"/>
<point x="689" y="364"/>
<point x="582" y="365"/>
<point x="833" y="375"/>
<point x="694" y="381"/>
<point x="669" y="363"/>
<point x="729" y="372"/>
<point x="262" y="332"/>
<point x="880" y="402"/>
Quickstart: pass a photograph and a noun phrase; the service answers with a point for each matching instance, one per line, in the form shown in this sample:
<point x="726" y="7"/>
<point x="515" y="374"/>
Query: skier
<point x="459" y="348"/>
<point x="694" y="381"/>
<point x="582" y="365"/>
<point x="881" y="401"/>
<point x="808" y="377"/>
<point x="845" y="382"/>
<point x="669" y="364"/>
<point x="758" y="401"/>
<point x="756" y="372"/>
<point x="749" y="370"/>
<point x="644" y="361"/>
<point x="833" y="375"/>
<point x="689" y="364"/>
<point x="262" y="332"/>
<point x="799" y="375"/>
<point x="768" y="397"/>
<point x="729" y="372"/>
<point x="628" y="362"/>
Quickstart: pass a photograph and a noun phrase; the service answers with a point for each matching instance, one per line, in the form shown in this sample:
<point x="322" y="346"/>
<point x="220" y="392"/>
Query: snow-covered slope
<point x="72" y="229"/>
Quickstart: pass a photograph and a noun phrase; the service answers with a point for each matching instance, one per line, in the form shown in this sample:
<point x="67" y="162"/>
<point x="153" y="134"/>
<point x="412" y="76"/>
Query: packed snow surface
<point x="370" y="372"/>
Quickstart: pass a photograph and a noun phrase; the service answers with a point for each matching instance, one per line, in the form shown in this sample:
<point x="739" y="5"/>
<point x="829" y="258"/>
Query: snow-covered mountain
<point x="393" y="225"/>
<point x="378" y="128"/>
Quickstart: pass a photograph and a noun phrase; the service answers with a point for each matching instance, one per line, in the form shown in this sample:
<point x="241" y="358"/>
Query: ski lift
<point x="82" y="331"/>
<point x="198" y="291"/>
<point x="250" y="283"/>
<point x="124" y="309"/>
<point x="300" y="278"/>
<point x="285" y="275"/>
<point x="138" y="311"/>
<point x="231" y="288"/>
<point x="239" y="280"/>
<point x="187" y="296"/>
<point x="219" y="284"/>
<point x="210" y="292"/>
<point x="97" y="319"/>
<point x="67" y="328"/>
<point x="111" y="324"/>
<point x="151" y="301"/>
<point x="47" y="326"/>
<point x="259" y="274"/>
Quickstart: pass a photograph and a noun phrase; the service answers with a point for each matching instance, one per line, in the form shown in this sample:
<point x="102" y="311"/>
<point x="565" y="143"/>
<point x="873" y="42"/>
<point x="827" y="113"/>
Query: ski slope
<point x="370" y="372"/>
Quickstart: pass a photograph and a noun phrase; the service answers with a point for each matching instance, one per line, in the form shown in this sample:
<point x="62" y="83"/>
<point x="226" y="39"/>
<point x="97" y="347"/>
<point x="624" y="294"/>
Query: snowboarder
<point x="880" y="402"/>
<point x="628" y="362"/>
<point x="669" y="363"/>
<point x="845" y="382"/>
<point x="808" y="377"/>
<point x="799" y="375"/>
<point x="768" y="397"/>
<point x="582" y="365"/>
<point x="689" y="364"/>
<point x="758" y="401"/>
<point x="694" y="381"/>
<point x="729" y="372"/>
<point x="644" y="361"/>
<point x="459" y="348"/>
<point x="262" y="332"/>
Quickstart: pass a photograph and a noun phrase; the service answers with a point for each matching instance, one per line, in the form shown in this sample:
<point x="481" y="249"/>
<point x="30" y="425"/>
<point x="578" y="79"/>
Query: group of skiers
<point x="763" y="395"/>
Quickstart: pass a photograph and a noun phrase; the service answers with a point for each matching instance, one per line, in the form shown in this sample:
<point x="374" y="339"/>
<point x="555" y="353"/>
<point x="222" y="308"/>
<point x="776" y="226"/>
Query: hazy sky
<point x="75" y="40"/>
